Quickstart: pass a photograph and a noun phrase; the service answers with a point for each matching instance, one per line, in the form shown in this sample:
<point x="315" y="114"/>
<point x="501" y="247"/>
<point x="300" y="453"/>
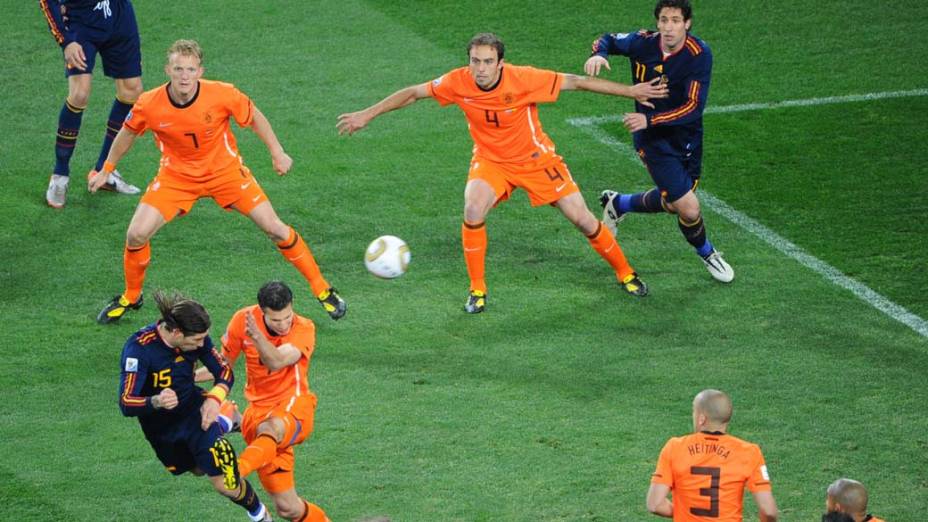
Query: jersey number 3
<point x="712" y="491"/>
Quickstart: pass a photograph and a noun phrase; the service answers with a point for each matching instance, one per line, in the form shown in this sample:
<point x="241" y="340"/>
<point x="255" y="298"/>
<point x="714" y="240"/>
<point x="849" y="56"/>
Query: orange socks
<point x="261" y="451"/>
<point x="604" y="243"/>
<point x="313" y="513"/>
<point x="134" y="263"/>
<point x="294" y="249"/>
<point x="474" y="238"/>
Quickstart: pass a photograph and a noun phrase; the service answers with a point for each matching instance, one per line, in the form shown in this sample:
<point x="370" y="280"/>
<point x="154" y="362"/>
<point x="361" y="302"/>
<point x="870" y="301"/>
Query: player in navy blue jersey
<point x="84" y="28"/>
<point x="177" y="417"/>
<point x="668" y="137"/>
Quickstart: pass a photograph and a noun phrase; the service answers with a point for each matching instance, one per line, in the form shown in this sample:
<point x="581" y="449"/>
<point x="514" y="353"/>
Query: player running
<point x="190" y="117"/>
<point x="667" y="136"/>
<point x="500" y="102"/>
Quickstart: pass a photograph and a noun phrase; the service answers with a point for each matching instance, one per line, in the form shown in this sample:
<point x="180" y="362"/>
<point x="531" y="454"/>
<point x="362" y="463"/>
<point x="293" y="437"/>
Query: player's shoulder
<point x="216" y="85"/>
<point x="158" y="93"/>
<point x="303" y="323"/>
<point x="741" y="444"/>
<point x="696" y="46"/>
<point x="141" y="341"/>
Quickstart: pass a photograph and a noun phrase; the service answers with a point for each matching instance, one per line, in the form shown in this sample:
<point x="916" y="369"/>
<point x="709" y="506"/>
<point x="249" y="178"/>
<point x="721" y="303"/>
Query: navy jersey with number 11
<point x="675" y="122"/>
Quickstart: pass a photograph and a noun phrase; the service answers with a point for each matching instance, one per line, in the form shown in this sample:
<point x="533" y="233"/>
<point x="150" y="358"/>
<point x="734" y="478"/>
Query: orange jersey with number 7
<point x="195" y="139"/>
<point x="503" y="120"/>
<point x="265" y="389"/>
<point x="707" y="474"/>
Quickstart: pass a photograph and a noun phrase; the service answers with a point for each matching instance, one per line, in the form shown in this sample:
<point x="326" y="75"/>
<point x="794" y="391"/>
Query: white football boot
<point x="57" y="192"/>
<point x="718" y="268"/>
<point x="116" y="183"/>
<point x="611" y="216"/>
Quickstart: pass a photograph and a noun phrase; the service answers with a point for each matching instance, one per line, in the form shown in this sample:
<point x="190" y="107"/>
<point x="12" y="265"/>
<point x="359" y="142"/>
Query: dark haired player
<point x="177" y="417"/>
<point x="667" y="136"/>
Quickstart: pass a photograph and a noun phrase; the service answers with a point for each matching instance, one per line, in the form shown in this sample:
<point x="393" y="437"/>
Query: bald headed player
<point x="708" y="470"/>
<point x="849" y="497"/>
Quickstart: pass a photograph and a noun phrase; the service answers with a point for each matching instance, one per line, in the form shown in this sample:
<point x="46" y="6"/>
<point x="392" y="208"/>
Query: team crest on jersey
<point x="132" y="364"/>
<point x="508" y="98"/>
<point x="208" y="118"/>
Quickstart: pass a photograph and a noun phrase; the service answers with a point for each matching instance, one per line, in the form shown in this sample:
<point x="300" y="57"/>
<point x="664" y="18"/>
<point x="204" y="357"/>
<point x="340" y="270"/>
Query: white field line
<point x="592" y="125"/>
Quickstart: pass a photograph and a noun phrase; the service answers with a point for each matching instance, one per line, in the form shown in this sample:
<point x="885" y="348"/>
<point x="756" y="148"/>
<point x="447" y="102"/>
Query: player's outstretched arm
<point x="352" y="122"/>
<point x="121" y="145"/>
<point x="640" y="91"/>
<point x="262" y="127"/>
<point x="657" y="500"/>
<point x="766" y="506"/>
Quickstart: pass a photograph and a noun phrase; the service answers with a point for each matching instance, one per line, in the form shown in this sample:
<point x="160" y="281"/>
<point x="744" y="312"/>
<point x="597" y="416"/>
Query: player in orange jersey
<point x="189" y="118"/>
<point x="277" y="344"/>
<point x="849" y="497"/>
<point x="500" y="102"/>
<point x="707" y="470"/>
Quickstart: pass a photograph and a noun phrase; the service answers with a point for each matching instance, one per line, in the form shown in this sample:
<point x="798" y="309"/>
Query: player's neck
<point x="180" y="99"/>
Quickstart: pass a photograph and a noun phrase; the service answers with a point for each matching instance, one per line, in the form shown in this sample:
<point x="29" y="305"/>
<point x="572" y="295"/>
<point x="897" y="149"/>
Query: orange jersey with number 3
<point x="195" y="139"/>
<point x="707" y="473"/>
<point x="263" y="388"/>
<point x="503" y="121"/>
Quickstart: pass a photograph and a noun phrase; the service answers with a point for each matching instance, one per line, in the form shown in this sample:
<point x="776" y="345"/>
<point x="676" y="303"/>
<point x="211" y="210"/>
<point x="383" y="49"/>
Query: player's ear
<point x="688" y="24"/>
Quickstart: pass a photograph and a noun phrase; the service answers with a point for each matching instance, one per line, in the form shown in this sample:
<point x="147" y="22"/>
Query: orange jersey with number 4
<point x="503" y="121"/>
<point x="263" y="388"/>
<point x="195" y="139"/>
<point x="707" y="473"/>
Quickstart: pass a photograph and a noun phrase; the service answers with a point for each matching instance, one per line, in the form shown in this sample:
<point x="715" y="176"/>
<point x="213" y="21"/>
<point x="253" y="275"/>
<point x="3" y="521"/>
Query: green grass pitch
<point x="554" y="404"/>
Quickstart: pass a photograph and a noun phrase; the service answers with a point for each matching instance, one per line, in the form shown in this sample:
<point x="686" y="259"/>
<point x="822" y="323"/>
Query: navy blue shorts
<point x="674" y="176"/>
<point x="183" y="446"/>
<point x="117" y="43"/>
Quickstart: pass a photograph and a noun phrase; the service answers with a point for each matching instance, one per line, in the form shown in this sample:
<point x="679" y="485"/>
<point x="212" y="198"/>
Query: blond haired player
<point x="190" y="119"/>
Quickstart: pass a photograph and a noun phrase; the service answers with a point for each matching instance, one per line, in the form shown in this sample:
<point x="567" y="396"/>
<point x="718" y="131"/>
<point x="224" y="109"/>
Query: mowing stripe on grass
<point x="592" y="125"/>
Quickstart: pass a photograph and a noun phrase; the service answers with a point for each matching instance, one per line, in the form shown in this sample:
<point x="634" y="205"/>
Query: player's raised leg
<point x="291" y="245"/>
<point x="603" y="242"/>
<point x="616" y="205"/>
<point x="69" y="126"/>
<point x="233" y="485"/>
<point x="479" y="197"/>
<point x="146" y="221"/>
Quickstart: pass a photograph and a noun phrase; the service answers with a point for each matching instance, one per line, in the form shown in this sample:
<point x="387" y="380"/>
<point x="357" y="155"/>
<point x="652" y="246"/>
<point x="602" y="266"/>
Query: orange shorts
<point x="297" y="414"/>
<point x="546" y="181"/>
<point x="174" y="194"/>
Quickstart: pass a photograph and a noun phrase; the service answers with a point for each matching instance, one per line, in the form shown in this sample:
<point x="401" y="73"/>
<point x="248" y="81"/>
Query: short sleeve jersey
<point x="195" y="139"/>
<point x="264" y="388"/>
<point x="503" y="120"/>
<point x="707" y="473"/>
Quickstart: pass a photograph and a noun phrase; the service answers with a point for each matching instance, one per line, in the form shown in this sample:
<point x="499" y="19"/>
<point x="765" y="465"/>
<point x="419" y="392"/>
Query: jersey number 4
<point x="712" y="491"/>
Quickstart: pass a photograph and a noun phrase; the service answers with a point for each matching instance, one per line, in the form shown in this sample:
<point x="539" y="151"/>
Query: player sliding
<point x="500" y="102"/>
<point x="199" y="158"/>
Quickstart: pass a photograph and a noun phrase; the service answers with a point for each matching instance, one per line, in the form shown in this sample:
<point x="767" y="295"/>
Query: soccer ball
<point x="387" y="257"/>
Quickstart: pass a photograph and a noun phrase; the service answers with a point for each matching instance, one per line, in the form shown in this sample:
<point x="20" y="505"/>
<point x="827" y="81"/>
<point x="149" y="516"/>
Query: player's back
<point x="709" y="474"/>
<point x="195" y="138"/>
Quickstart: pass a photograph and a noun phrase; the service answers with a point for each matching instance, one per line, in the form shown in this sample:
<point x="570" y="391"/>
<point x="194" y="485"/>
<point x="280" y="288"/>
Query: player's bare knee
<point x="287" y="508"/>
<point x="129" y="90"/>
<point x="475" y="212"/>
<point x="79" y="97"/>
<point x="136" y="238"/>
